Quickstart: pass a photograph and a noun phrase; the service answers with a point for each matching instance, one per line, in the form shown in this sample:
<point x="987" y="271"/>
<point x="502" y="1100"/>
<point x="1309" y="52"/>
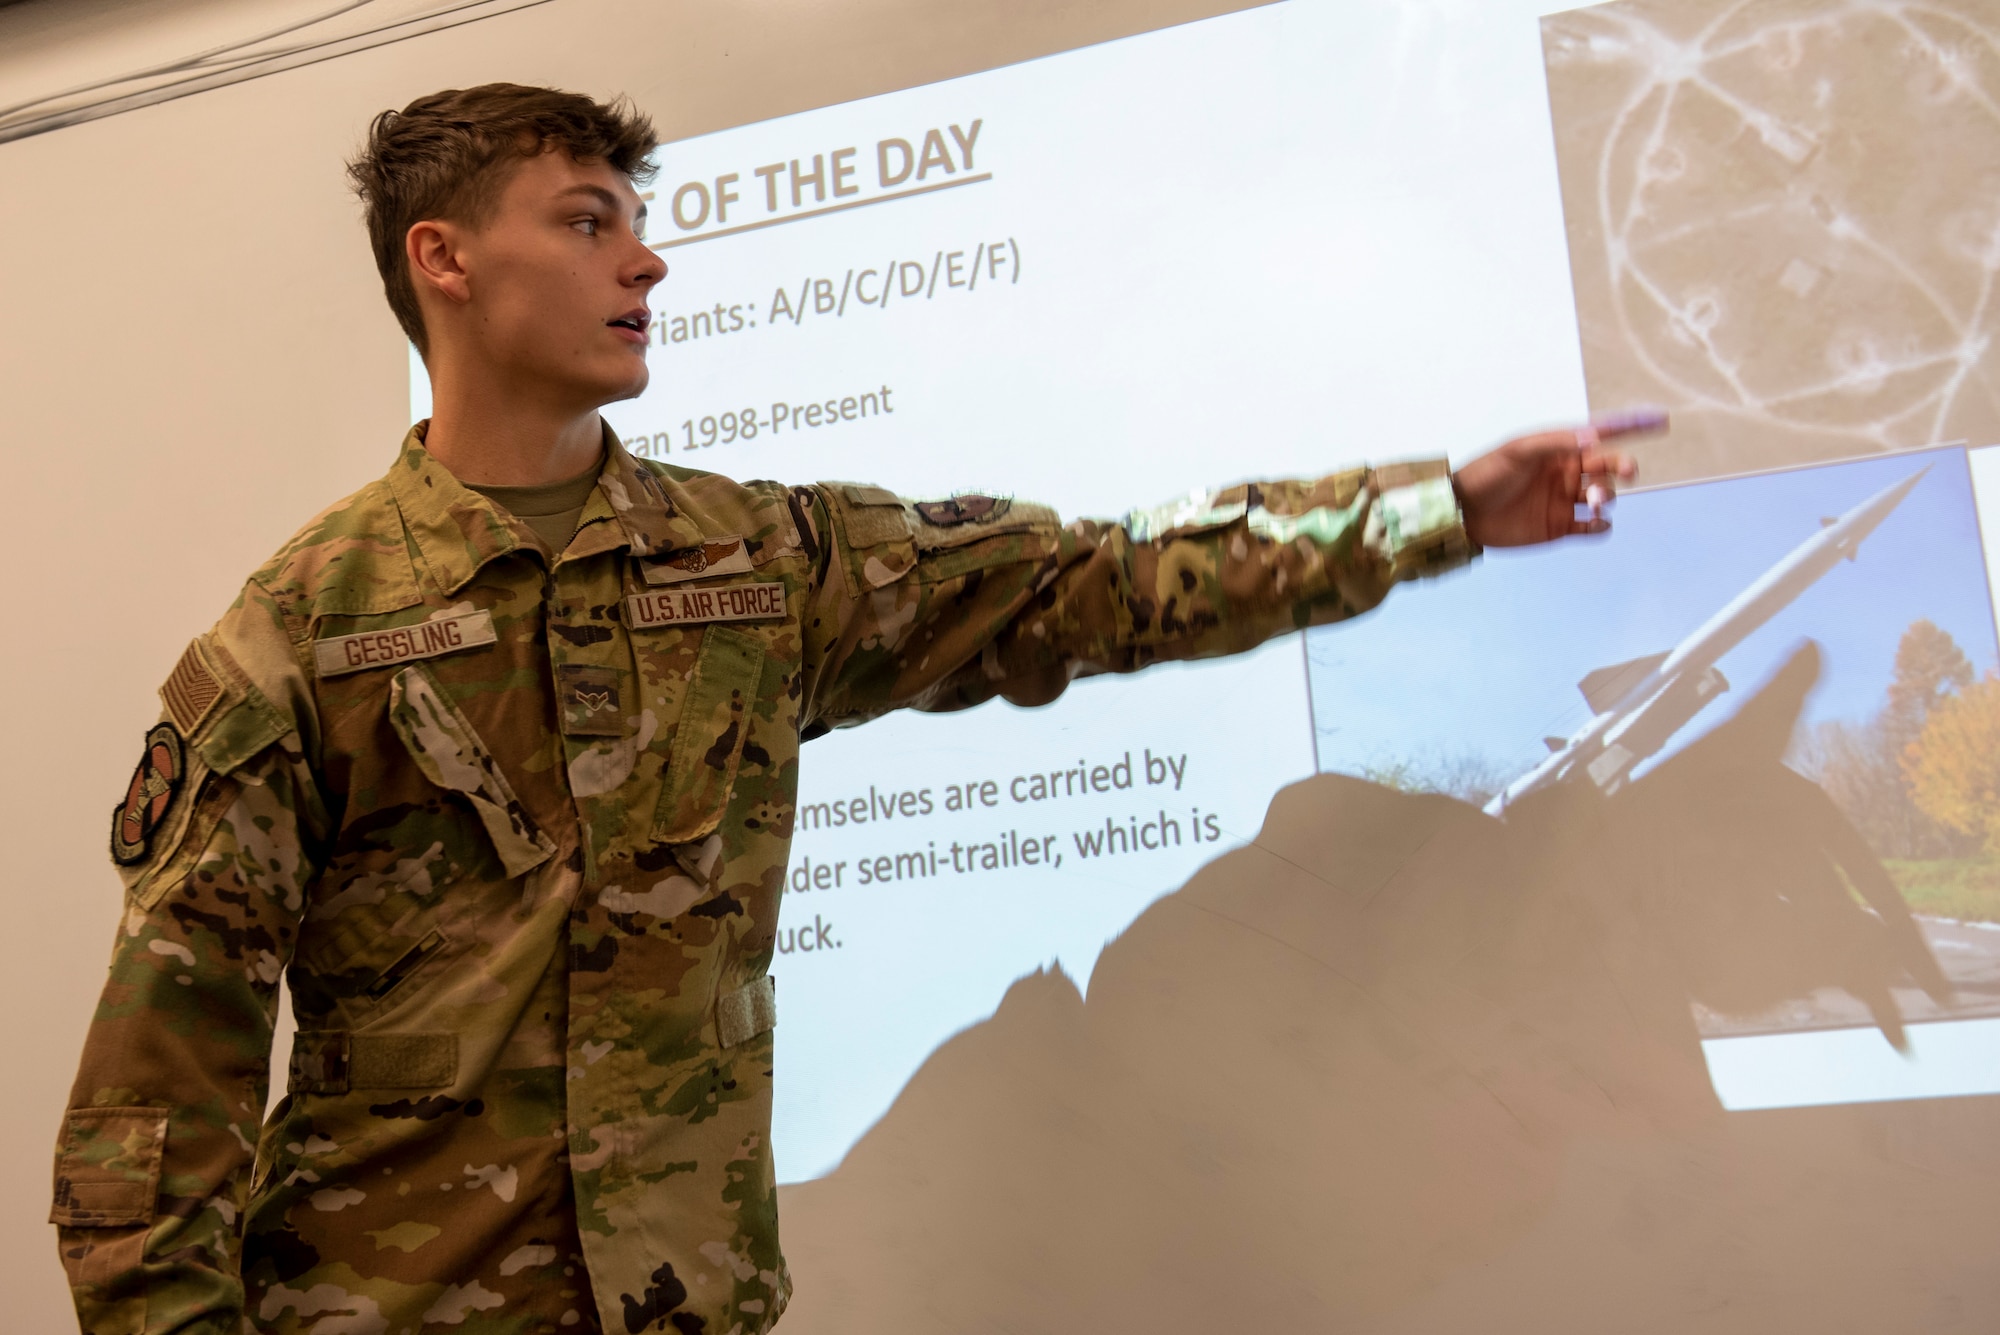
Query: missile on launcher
<point x="1637" y="706"/>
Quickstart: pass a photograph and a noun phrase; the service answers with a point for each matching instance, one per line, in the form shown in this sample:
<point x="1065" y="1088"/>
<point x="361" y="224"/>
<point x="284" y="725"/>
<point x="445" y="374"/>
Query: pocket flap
<point x="871" y="516"/>
<point x="708" y="740"/>
<point x="225" y="718"/>
<point x="442" y="742"/>
<point x="108" y="1167"/>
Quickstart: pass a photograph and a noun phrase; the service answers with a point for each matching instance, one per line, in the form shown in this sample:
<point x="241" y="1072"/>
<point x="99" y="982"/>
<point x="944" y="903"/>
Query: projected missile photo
<point x="1855" y="588"/>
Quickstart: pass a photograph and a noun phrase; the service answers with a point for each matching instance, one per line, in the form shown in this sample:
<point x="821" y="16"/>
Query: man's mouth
<point x="636" y="321"/>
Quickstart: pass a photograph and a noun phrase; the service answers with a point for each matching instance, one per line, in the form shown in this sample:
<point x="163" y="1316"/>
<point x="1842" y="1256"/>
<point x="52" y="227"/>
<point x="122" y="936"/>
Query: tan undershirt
<point x="552" y="509"/>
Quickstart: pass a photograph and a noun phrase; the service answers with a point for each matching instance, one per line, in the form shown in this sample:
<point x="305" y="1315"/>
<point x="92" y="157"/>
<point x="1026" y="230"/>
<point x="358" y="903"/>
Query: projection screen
<point x="1597" y="938"/>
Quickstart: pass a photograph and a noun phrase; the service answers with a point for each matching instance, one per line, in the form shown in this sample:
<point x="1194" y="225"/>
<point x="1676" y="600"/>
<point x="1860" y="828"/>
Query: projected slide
<point x="1275" y="244"/>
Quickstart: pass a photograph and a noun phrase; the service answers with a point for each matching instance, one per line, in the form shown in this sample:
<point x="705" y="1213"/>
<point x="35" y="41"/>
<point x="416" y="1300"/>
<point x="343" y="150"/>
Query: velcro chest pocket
<point x="708" y="739"/>
<point x="442" y="742"/>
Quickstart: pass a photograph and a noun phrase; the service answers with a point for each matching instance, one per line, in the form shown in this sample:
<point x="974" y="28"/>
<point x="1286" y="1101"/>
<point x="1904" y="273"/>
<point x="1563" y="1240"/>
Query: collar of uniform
<point x="630" y="508"/>
<point x="455" y="528"/>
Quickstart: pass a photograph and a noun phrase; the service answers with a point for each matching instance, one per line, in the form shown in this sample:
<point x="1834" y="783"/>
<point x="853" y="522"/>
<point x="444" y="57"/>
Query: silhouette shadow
<point x="1400" y="1066"/>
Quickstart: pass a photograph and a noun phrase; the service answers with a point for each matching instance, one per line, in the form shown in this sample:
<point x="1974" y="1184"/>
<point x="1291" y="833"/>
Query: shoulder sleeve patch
<point x="150" y="797"/>
<point x="956" y="510"/>
<point x="959" y="521"/>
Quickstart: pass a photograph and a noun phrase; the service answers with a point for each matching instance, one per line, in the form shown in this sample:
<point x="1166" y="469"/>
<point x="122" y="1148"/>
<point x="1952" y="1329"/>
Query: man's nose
<point x="647" y="268"/>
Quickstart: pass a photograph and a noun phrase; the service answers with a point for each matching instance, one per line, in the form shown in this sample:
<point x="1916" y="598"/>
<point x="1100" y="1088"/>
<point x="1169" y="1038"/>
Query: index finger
<point x="1634" y="421"/>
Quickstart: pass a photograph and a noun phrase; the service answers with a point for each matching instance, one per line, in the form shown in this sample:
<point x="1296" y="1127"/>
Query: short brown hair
<point x="447" y="156"/>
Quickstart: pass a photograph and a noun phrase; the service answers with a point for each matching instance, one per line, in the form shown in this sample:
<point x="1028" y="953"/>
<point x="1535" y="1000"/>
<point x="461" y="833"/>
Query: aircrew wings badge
<point x="155" y="787"/>
<point x="722" y="556"/>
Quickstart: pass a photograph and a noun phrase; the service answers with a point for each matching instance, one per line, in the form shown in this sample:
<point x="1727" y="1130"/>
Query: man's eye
<point x="588" y="226"/>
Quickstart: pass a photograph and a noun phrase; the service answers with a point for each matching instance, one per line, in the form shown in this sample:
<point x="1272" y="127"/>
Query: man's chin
<point x="616" y="389"/>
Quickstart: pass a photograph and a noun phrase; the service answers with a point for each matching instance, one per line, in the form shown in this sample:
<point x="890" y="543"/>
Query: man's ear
<point x="432" y="248"/>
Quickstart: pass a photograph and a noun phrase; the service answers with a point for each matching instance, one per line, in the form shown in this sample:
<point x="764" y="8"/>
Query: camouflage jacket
<point x="515" y="830"/>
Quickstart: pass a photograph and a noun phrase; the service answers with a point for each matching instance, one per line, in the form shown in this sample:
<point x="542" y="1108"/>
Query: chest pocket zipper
<point x="410" y="961"/>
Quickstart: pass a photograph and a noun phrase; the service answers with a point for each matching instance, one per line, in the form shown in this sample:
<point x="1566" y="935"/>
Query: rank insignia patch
<point x="155" y="787"/>
<point x="590" y="704"/>
<point x="962" y="510"/>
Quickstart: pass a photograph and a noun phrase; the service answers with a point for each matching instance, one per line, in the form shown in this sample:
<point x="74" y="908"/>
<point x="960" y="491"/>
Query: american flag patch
<point x="192" y="690"/>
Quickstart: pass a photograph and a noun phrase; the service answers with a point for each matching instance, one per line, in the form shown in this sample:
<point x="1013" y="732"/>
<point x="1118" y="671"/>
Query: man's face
<point x="557" y="279"/>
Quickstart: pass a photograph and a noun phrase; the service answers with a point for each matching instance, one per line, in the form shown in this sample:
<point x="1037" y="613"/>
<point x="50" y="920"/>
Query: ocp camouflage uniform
<point x="518" y="834"/>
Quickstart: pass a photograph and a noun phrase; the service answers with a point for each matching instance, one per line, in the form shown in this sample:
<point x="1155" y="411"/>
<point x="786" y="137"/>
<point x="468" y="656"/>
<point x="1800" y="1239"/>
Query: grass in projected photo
<point x="1595" y="666"/>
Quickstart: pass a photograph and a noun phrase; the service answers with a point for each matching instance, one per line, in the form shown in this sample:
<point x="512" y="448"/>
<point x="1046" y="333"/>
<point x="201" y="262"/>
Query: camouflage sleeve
<point x="943" y="604"/>
<point x="152" y="1164"/>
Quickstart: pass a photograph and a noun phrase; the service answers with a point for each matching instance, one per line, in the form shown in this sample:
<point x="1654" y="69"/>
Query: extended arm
<point x="944" y="605"/>
<point x="941" y="605"/>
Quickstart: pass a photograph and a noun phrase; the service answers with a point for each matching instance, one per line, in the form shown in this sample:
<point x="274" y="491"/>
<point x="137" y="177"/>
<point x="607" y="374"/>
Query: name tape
<point x="340" y="654"/>
<point x="680" y="607"/>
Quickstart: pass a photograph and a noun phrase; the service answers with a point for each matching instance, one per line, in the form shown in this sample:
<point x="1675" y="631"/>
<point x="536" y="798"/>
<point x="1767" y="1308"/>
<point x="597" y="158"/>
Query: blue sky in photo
<point x="1485" y="662"/>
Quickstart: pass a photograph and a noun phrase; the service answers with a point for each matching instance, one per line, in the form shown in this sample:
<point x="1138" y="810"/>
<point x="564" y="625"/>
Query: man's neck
<point x="484" y="434"/>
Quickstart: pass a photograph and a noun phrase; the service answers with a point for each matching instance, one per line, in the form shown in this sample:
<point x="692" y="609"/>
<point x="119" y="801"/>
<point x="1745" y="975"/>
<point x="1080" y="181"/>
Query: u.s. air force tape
<point x="339" y="654"/>
<point x="679" y="607"/>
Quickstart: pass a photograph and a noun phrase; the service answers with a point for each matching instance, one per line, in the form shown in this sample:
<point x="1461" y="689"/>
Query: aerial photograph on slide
<point x="1753" y="242"/>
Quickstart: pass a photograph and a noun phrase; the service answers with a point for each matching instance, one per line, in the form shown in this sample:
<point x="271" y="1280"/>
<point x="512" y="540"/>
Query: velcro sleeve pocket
<point x="225" y="718"/>
<point x="876" y="533"/>
<point x="108" y="1167"/>
<point x="873" y="514"/>
<point x="708" y="740"/>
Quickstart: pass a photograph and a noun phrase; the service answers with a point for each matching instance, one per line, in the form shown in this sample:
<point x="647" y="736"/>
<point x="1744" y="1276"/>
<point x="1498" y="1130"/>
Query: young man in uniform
<point x="498" y="758"/>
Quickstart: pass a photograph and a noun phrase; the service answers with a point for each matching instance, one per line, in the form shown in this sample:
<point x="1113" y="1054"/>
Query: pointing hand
<point x="1528" y="491"/>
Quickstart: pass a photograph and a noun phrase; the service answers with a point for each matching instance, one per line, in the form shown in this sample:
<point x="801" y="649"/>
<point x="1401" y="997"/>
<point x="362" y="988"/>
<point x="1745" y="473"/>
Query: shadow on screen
<point x="1402" y="1066"/>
